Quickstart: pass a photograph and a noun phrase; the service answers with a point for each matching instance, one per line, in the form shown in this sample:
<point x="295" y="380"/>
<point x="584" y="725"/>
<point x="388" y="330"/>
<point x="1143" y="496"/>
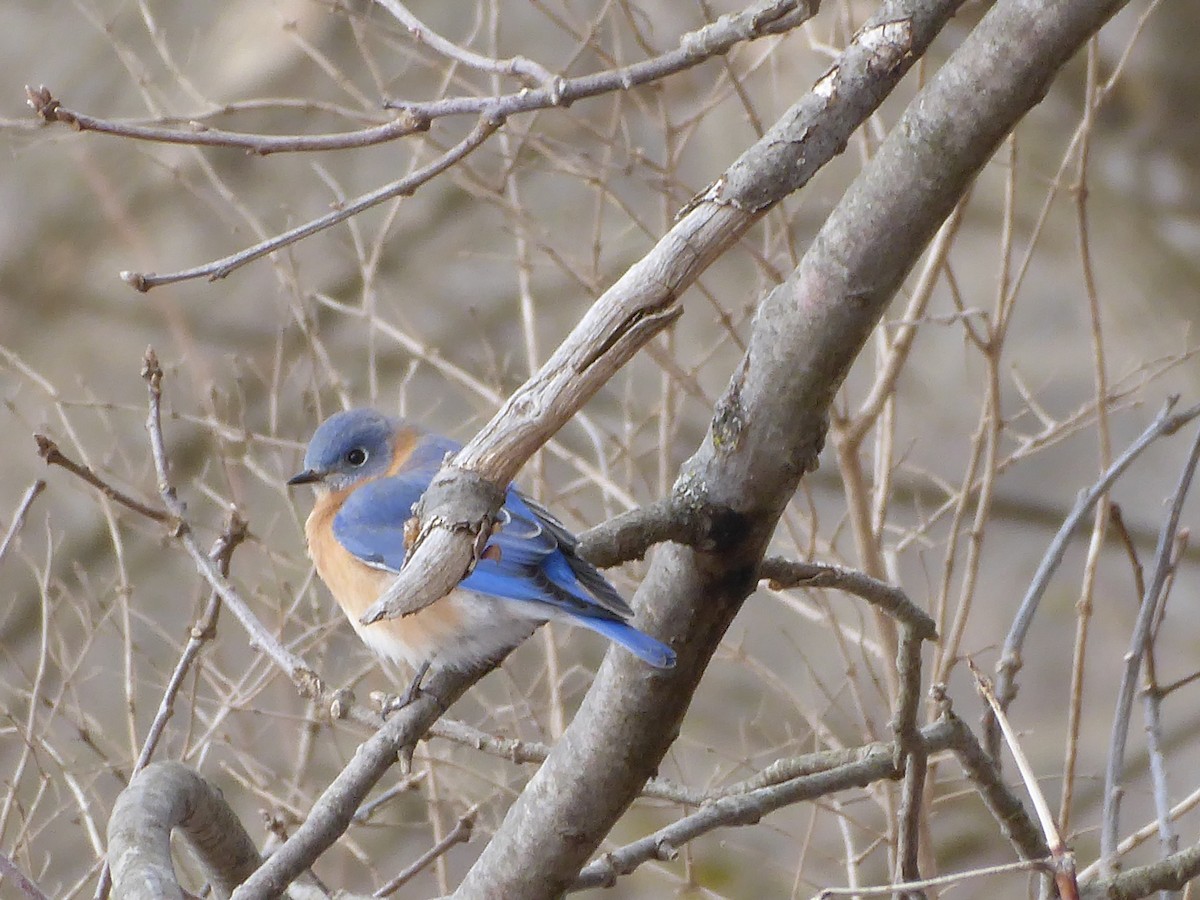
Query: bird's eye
<point x="356" y="457"/>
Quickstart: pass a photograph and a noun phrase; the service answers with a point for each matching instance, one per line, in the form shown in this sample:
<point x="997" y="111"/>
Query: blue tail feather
<point x="640" y="645"/>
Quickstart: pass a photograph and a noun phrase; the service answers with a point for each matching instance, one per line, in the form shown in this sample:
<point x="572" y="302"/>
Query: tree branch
<point x="518" y="65"/>
<point x="646" y="298"/>
<point x="1133" y="663"/>
<point x="402" y="187"/>
<point x="295" y="667"/>
<point x="761" y="19"/>
<point x="18" y="519"/>
<point x="877" y="762"/>
<point x="1010" y="658"/>
<point x="48" y="451"/>
<point x="161" y="797"/>
<point x="783" y="574"/>
<point x="334" y="810"/>
<point x="806" y="333"/>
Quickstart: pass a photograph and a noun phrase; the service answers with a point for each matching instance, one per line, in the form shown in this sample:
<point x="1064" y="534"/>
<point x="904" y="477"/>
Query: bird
<point x="369" y="469"/>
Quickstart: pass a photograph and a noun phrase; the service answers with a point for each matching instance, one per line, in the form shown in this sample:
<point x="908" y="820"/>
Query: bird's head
<point x="348" y="447"/>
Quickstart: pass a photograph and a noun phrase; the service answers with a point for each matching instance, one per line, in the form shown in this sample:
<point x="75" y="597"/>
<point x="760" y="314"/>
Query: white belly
<point x="455" y="632"/>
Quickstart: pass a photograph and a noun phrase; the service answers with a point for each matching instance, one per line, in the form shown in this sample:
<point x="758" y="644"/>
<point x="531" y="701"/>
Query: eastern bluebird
<point x="369" y="470"/>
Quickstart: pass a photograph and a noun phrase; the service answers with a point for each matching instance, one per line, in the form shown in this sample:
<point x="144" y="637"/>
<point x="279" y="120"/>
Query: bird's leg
<point x="392" y="703"/>
<point x="414" y="686"/>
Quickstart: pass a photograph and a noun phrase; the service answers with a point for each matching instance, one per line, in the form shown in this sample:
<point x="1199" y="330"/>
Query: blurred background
<point x="1079" y="244"/>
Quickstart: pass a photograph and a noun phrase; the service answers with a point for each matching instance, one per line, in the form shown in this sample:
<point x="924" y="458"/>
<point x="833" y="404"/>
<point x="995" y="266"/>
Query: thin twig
<point x="750" y="807"/>
<point x="517" y="65"/>
<point x="785" y="769"/>
<point x="1005" y="807"/>
<point x="459" y="834"/>
<point x="1171" y="874"/>
<point x="196" y="134"/>
<point x="915" y="759"/>
<point x="299" y="672"/>
<point x="48" y="451"/>
<point x="18" y="519"/>
<point x="1152" y="713"/>
<point x="884" y="890"/>
<point x="484" y="128"/>
<point x="1062" y="855"/>
<point x="199" y="634"/>
<point x="11" y="873"/>
<point x="1143" y="834"/>
<point x="334" y="810"/>
<point x="1133" y="662"/>
<point x="767" y="17"/>
<point x="784" y="573"/>
<point x="1010" y="658"/>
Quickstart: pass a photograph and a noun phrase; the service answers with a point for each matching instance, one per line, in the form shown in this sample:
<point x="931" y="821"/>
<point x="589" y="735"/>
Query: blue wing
<point x="530" y="558"/>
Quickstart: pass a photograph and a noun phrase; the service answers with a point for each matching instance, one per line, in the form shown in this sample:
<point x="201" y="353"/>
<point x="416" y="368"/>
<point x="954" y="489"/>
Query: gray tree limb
<point x="768" y="427"/>
<point x="161" y="797"/>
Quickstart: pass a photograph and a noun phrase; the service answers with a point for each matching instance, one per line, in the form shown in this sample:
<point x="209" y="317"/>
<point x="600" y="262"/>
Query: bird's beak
<point x="308" y="476"/>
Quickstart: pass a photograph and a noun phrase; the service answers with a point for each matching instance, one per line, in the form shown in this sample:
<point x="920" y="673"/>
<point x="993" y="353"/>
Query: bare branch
<point x="1015" y="823"/>
<point x="517" y="65"/>
<point x="19" y="880"/>
<point x="767" y="17"/>
<point x="1133" y="662"/>
<point x="911" y="755"/>
<point x="783" y="574"/>
<point x="299" y="672"/>
<point x="1062" y="855"/>
<point x="334" y="810"/>
<point x="1010" y="658"/>
<point x="162" y="797"/>
<point x="629" y="535"/>
<point x="49" y="109"/>
<point x="48" y="450"/>
<point x="199" y="634"/>
<point x="876" y="762"/>
<point x="402" y="187"/>
<point x="459" y="834"/>
<point x="806" y="333"/>
<point x="18" y="519"/>
<point x="951" y="880"/>
<point x="1171" y="874"/>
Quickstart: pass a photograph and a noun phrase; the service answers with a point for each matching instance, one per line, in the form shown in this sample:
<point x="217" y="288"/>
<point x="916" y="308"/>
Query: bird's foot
<point x="390" y="703"/>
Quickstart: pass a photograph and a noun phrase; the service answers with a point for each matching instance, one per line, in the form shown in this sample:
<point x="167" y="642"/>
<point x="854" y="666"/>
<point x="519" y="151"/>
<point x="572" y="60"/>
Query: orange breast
<point x="356" y="585"/>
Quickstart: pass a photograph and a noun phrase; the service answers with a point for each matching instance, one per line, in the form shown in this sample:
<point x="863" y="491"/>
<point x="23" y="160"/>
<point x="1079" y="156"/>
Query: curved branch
<point x="782" y="573"/>
<point x="160" y="798"/>
<point x="517" y="65"/>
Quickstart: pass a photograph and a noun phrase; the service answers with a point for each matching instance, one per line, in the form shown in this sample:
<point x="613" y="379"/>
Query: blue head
<point x="348" y="447"/>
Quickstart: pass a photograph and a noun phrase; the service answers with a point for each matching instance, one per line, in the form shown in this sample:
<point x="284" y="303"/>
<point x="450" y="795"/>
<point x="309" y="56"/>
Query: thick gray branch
<point x="162" y="797"/>
<point x="762" y="439"/>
